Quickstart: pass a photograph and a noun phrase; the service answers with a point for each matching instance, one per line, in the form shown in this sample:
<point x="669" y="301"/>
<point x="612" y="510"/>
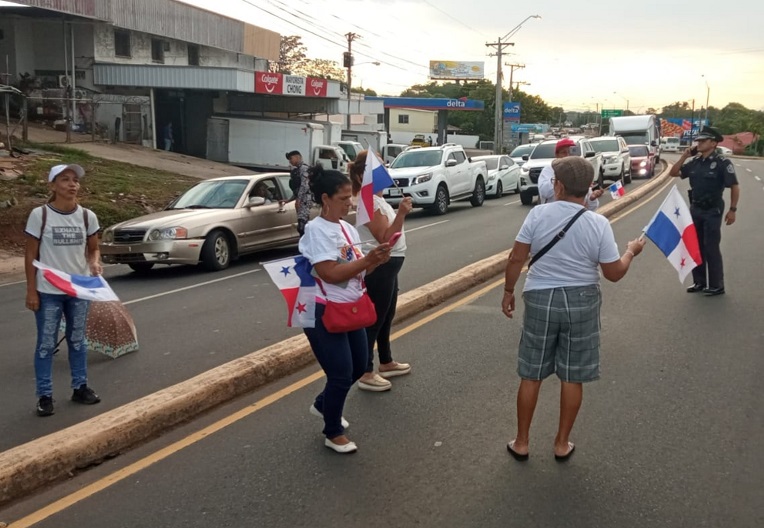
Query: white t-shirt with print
<point x="574" y="260"/>
<point x="399" y="249"/>
<point x="64" y="241"/>
<point x="324" y="241"/>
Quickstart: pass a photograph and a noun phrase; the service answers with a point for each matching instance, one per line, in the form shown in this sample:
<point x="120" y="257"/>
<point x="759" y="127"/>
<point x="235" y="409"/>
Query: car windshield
<point x="522" y="150"/>
<point x="672" y="141"/>
<point x="417" y="158"/>
<point x="349" y="150"/>
<point x="490" y="163"/>
<point x="638" y="150"/>
<point x="605" y="145"/>
<point x="543" y="151"/>
<point x="634" y="138"/>
<point x="394" y="151"/>
<point x="221" y="194"/>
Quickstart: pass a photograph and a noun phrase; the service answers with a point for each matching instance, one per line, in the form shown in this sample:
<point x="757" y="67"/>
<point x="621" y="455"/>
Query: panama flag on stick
<point x="617" y="190"/>
<point x="672" y="230"/>
<point x="79" y="286"/>
<point x="375" y="179"/>
<point x="293" y="277"/>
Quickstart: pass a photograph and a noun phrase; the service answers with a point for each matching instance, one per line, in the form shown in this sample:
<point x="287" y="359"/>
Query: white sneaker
<point x="376" y="384"/>
<point x="315" y="412"/>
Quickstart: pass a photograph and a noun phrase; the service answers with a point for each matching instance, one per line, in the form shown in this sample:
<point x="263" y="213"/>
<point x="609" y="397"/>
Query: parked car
<point x="519" y="153"/>
<point x="503" y="175"/>
<point x="420" y="141"/>
<point x="670" y="144"/>
<point x="642" y="161"/>
<point x="436" y="176"/>
<point x="543" y="155"/>
<point x="391" y="151"/>
<point x="351" y="148"/>
<point x="724" y="151"/>
<point x="616" y="160"/>
<point x="212" y="223"/>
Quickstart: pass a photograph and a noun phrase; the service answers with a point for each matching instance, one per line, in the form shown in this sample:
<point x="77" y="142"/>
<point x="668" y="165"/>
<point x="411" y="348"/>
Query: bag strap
<point x="559" y="236"/>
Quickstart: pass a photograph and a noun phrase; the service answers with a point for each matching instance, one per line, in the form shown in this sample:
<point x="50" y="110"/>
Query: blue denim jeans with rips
<point x="48" y="317"/>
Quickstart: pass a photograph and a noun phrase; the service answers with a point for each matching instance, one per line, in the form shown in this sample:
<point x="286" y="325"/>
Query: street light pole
<point x="708" y="95"/>
<point x="349" y="64"/>
<point x="622" y="97"/>
<point x="498" y="103"/>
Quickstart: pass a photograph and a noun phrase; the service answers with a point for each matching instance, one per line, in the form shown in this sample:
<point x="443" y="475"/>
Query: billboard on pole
<point x="456" y="70"/>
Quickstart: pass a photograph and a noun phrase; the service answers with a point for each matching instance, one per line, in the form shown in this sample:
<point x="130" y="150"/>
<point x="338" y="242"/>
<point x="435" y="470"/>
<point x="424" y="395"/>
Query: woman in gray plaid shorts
<point x="561" y="324"/>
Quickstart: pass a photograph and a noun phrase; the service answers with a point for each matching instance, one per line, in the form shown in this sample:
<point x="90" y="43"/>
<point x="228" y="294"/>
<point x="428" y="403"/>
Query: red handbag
<point x="341" y="317"/>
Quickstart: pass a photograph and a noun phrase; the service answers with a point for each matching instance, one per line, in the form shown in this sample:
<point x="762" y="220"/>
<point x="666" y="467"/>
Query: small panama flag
<point x="672" y="230"/>
<point x="80" y="286"/>
<point x="617" y="190"/>
<point x="293" y="277"/>
<point x="375" y="179"/>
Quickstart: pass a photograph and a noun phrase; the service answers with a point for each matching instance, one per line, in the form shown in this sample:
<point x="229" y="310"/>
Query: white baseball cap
<point x="58" y="169"/>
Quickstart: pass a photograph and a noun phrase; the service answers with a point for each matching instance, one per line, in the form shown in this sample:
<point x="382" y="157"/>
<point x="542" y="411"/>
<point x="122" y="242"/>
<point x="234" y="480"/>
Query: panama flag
<point x="293" y="277"/>
<point x="617" y="190"/>
<point x="375" y="178"/>
<point x="672" y="230"/>
<point x="79" y="286"/>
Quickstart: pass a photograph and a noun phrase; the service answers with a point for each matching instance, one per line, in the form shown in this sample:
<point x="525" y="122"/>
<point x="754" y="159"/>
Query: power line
<point x="454" y="19"/>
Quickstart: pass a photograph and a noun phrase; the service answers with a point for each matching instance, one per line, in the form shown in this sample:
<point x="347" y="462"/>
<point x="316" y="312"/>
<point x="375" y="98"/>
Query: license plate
<point x="395" y="192"/>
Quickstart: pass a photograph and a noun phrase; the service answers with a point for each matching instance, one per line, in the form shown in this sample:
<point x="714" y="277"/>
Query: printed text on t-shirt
<point x="67" y="236"/>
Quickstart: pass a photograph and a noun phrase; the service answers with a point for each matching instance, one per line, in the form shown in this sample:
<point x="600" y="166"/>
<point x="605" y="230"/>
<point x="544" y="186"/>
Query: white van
<point x="670" y="144"/>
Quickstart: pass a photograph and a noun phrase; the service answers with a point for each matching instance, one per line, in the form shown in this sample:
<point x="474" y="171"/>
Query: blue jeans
<point x="48" y="318"/>
<point x="343" y="358"/>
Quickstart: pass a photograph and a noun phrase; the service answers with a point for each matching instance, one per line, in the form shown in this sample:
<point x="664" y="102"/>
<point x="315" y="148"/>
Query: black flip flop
<point x="515" y="454"/>
<point x="563" y="458"/>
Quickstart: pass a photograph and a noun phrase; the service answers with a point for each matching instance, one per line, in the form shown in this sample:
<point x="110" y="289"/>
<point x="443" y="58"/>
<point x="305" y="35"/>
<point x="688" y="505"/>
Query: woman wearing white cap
<point x="61" y="234"/>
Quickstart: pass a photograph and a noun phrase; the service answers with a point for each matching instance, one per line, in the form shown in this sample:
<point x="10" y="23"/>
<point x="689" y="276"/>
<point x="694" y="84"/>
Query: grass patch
<point x="115" y="191"/>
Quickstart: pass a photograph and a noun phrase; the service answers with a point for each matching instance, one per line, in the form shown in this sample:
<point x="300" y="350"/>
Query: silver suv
<point x="543" y="155"/>
<point x="616" y="160"/>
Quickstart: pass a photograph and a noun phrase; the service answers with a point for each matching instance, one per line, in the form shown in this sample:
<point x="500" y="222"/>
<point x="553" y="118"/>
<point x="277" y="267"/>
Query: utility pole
<point x="498" y="118"/>
<point x="348" y="62"/>
<point x="512" y="68"/>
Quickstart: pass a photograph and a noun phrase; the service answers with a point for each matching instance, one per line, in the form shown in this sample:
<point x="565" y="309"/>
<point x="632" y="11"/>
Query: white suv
<point x="543" y="155"/>
<point x="616" y="160"/>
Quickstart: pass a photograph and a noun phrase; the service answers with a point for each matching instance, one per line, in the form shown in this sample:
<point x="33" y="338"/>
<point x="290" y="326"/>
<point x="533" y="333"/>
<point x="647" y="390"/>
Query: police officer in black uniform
<point x="709" y="175"/>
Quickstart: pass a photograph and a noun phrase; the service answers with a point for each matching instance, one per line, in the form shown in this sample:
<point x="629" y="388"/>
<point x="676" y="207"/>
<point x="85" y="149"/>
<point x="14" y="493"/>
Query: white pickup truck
<point x="436" y="176"/>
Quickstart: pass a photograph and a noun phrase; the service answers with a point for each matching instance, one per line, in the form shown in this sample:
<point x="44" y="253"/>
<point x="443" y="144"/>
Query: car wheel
<point x="526" y="198"/>
<point x="441" y="201"/>
<point x="601" y="179"/>
<point x="141" y="267"/>
<point x="499" y="189"/>
<point x="625" y="175"/>
<point x="216" y="252"/>
<point x="478" y="195"/>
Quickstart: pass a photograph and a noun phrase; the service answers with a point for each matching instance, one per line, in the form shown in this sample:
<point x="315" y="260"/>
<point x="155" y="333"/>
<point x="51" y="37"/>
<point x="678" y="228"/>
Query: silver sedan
<point x="212" y="223"/>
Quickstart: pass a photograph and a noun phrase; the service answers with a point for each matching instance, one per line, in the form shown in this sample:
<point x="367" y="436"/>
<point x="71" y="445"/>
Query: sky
<point x="581" y="55"/>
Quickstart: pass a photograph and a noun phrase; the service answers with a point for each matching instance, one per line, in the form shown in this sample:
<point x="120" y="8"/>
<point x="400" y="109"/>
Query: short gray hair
<point x="575" y="173"/>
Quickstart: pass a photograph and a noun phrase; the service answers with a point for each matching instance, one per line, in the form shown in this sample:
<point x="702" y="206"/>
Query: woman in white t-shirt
<point x="333" y="248"/>
<point x="63" y="235"/>
<point x="382" y="285"/>
<point x="561" y="324"/>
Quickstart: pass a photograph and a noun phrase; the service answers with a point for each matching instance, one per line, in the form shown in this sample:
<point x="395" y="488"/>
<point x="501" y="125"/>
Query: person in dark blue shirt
<point x="709" y="175"/>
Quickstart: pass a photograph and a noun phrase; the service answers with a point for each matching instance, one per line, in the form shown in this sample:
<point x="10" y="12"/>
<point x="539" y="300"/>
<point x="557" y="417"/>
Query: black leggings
<point x="382" y="286"/>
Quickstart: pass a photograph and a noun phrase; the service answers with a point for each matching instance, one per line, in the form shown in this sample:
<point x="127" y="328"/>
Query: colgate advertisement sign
<point x="317" y="87"/>
<point x="279" y="84"/>
<point x="268" y="83"/>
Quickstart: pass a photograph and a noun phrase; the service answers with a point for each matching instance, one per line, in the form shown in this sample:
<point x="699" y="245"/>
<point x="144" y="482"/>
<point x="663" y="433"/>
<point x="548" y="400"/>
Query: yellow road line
<point x="135" y="467"/>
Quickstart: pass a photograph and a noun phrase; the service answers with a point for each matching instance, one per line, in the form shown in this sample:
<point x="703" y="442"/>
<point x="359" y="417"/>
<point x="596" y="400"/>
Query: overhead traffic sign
<point x="611" y="113"/>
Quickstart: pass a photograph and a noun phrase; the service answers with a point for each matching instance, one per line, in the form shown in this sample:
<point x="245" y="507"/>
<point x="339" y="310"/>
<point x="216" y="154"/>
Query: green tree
<point x="322" y="68"/>
<point x="292" y="54"/>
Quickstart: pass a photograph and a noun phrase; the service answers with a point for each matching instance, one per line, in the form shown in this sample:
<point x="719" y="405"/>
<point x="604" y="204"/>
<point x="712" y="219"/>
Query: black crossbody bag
<point x="559" y="236"/>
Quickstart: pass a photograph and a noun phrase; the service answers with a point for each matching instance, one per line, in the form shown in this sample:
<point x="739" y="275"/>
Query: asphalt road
<point x="670" y="436"/>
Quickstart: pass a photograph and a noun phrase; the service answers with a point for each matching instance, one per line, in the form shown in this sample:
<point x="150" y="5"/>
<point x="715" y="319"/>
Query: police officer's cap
<point x="710" y="133"/>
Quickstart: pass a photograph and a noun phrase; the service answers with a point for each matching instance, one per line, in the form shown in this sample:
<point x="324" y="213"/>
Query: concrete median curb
<point x="30" y="466"/>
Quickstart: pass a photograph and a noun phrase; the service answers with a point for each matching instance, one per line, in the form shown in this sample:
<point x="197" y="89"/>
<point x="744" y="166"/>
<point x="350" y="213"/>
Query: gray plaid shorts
<point x="561" y="333"/>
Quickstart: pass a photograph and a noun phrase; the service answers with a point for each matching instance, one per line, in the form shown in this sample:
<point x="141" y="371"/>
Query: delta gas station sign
<point x="268" y="83"/>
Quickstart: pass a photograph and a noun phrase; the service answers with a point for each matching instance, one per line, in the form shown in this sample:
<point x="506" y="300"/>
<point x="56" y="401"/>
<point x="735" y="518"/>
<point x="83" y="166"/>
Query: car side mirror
<point x="590" y="154"/>
<point x="255" y="201"/>
<point x="451" y="163"/>
<point x="504" y="167"/>
<point x="653" y="143"/>
<point x="525" y="157"/>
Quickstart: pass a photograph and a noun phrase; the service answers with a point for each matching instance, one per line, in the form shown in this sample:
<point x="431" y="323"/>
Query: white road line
<point x="191" y="287"/>
<point x="12" y="283"/>
<point x="511" y="203"/>
<point x="426" y="226"/>
<point x="757" y="178"/>
<point x="749" y="170"/>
